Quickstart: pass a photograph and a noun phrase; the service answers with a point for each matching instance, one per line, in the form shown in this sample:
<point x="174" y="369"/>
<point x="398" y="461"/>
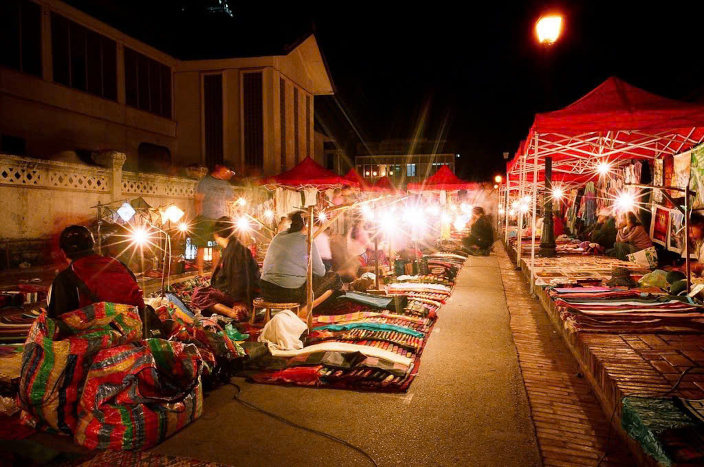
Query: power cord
<point x="296" y="425"/>
<point x="673" y="388"/>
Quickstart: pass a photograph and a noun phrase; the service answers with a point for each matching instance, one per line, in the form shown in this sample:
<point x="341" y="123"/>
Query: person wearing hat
<point x="604" y="231"/>
<point x="630" y="239"/>
<point x="481" y="234"/>
<point x="213" y="195"/>
<point x="89" y="277"/>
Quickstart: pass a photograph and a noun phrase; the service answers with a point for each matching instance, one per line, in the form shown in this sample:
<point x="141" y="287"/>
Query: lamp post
<point x="547" y="237"/>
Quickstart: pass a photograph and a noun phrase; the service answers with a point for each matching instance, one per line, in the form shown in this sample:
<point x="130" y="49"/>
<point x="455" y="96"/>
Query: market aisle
<point x="468" y="405"/>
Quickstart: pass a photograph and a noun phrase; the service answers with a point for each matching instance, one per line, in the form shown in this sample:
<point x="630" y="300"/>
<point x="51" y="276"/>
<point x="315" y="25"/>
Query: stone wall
<point x="40" y="198"/>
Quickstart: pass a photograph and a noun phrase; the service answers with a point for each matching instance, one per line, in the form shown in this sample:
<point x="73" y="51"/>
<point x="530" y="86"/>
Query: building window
<point x="253" y="120"/>
<point x="21" y="36"/>
<point x="330" y="161"/>
<point x="308" y="126"/>
<point x="83" y="59"/>
<point x="410" y="170"/>
<point x="153" y="158"/>
<point x="213" y="120"/>
<point x="296" y="150"/>
<point x="282" y="113"/>
<point x="147" y="84"/>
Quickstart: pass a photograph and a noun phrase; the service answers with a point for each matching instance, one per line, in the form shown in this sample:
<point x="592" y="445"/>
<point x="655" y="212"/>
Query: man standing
<point x="89" y="277"/>
<point x="213" y="195"/>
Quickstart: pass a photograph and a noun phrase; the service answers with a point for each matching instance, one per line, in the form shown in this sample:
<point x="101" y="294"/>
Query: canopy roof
<point x="353" y="178"/>
<point x="307" y="173"/>
<point x="383" y="185"/>
<point x="444" y="179"/>
<point x="613" y="123"/>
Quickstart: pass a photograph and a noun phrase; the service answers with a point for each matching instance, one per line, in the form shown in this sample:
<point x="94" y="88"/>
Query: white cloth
<point x="344" y="347"/>
<point x="322" y="242"/>
<point x="283" y="331"/>
<point x="310" y="196"/>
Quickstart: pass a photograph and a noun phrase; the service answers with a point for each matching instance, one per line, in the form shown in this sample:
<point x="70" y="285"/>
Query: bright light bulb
<point x="625" y="201"/>
<point x="557" y="193"/>
<point x="603" y="168"/>
<point x="498" y="179"/>
<point x="524" y="208"/>
<point x="367" y="212"/>
<point x="511" y="212"/>
<point x="243" y="224"/>
<point x="183" y="227"/>
<point x="140" y="236"/>
<point x="269" y="215"/>
<point x="173" y="213"/>
<point x="322" y="216"/>
<point x="502" y="211"/>
<point x="548" y="29"/>
<point x="460" y="223"/>
<point x="526" y="199"/>
<point x="241" y="202"/>
<point x="496" y="187"/>
<point x="515" y="204"/>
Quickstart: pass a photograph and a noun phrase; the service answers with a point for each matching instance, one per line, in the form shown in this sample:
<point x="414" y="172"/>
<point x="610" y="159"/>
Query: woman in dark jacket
<point x="481" y="234"/>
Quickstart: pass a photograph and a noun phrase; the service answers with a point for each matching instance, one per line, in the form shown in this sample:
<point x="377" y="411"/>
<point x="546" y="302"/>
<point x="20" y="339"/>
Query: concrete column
<point x="114" y="161"/>
<point x="47" y="61"/>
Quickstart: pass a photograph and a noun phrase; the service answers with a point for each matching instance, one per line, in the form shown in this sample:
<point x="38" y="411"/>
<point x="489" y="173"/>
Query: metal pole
<point x="519" y="227"/>
<point x="547" y="240"/>
<point x="535" y="214"/>
<point x="506" y="206"/>
<point x="309" y="281"/>
<point x="376" y="256"/>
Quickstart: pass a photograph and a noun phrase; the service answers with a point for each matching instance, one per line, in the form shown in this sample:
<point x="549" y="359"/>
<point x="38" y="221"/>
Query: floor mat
<point x="112" y="458"/>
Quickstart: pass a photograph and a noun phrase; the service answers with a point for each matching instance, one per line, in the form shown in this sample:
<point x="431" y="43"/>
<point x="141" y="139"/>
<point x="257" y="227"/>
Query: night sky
<point x="468" y="72"/>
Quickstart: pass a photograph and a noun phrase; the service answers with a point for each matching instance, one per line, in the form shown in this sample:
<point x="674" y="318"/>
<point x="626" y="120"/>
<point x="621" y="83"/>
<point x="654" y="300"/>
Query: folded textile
<point x="370" y="327"/>
<point x="342" y="347"/>
<point x="374" y="301"/>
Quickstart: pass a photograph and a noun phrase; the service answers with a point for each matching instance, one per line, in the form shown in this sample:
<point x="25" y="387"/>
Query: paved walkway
<point x="468" y="405"/>
<point x="571" y="426"/>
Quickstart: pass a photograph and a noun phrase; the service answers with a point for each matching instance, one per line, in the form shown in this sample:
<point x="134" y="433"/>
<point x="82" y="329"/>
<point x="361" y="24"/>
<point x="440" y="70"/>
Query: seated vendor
<point x="604" y="231"/>
<point x="286" y="266"/>
<point x="481" y="234"/>
<point x="90" y="278"/>
<point x="235" y="280"/>
<point x="630" y="239"/>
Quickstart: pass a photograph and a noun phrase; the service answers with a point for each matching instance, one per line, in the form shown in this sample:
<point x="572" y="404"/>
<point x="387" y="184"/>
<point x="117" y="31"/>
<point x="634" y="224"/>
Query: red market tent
<point x="354" y="179"/>
<point x="383" y="185"/>
<point x="613" y="123"/>
<point x="443" y="180"/>
<point x="307" y="173"/>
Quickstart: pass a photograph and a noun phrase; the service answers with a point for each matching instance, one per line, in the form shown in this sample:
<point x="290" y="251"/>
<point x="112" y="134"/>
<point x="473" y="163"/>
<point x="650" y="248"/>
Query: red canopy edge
<point x="307" y="173"/>
<point x="354" y="178"/>
<point x="443" y="179"/>
<point x="383" y="185"/>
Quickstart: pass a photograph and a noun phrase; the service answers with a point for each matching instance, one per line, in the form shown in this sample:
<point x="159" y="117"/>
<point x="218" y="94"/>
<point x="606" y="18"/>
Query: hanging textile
<point x="589" y="204"/>
<point x="696" y="183"/>
<point x="658" y="179"/>
<point x="310" y="196"/>
<point x="681" y="169"/>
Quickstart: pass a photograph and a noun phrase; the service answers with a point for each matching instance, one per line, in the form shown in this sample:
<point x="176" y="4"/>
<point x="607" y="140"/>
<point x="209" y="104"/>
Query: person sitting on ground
<point x="604" y="231"/>
<point x="481" y="234"/>
<point x="213" y="195"/>
<point x="630" y="239"/>
<point x="286" y="267"/>
<point x="235" y="280"/>
<point x="90" y="278"/>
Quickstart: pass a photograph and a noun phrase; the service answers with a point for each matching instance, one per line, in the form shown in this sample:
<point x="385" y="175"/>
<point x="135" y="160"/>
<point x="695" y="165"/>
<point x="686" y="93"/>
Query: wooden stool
<point x="269" y="307"/>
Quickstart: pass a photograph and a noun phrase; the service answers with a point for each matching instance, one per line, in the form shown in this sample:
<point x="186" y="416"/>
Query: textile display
<point x="341" y="347"/>
<point x="659" y="225"/>
<point x="681" y="166"/>
<point x="647" y="258"/>
<point x="696" y="183"/>
<point x="658" y="180"/>
<point x="676" y="231"/>
<point x="137" y="395"/>
<point x="53" y="368"/>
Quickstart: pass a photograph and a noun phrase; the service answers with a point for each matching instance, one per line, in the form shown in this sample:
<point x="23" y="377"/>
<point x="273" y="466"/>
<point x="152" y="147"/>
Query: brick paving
<point x="570" y="424"/>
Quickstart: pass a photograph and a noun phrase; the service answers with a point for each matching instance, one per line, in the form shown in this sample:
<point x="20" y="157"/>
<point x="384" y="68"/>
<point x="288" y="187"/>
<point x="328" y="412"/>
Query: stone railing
<point x="41" y="197"/>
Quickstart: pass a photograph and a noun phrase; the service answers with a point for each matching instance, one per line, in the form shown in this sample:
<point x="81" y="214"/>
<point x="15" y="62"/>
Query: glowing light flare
<point x="526" y="199"/>
<point x="460" y="223"/>
<point x="502" y="211"/>
<point x="496" y="187"/>
<point x="183" y="227"/>
<point x="515" y="204"/>
<point x="242" y="224"/>
<point x="241" y="202"/>
<point x="173" y="213"/>
<point x="322" y="215"/>
<point x="548" y="29"/>
<point x="524" y="208"/>
<point x="446" y="218"/>
<point x="603" y="168"/>
<point x="625" y="201"/>
<point x="367" y="212"/>
<point x="511" y="212"/>
<point x="498" y="179"/>
<point x="140" y="236"/>
<point x="269" y="215"/>
<point x="557" y="193"/>
<point x="433" y="210"/>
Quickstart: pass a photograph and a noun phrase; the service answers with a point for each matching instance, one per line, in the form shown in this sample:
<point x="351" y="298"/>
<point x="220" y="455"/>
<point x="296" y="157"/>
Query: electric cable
<point x="613" y="413"/>
<point x="296" y="425"/>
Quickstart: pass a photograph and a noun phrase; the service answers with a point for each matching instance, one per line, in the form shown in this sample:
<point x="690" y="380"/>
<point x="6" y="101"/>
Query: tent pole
<point x="309" y="280"/>
<point x="686" y="237"/>
<point x="506" y="207"/>
<point x="535" y="215"/>
<point x="519" y="227"/>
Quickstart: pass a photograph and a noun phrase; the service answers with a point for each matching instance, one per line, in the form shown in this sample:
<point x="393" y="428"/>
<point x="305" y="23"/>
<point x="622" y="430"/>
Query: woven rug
<point x="114" y="458"/>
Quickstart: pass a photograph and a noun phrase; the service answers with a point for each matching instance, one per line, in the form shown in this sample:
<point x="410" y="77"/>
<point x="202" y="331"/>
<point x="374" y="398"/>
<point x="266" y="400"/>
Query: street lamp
<point x="548" y="29"/>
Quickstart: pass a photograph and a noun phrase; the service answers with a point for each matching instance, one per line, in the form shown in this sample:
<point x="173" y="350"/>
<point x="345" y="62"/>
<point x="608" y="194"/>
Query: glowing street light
<point x="548" y="29"/>
<point x="498" y="179"/>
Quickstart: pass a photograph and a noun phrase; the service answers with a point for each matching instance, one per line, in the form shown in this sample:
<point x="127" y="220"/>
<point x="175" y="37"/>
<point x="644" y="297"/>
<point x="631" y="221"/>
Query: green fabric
<point x="604" y="234"/>
<point x="374" y="301"/>
<point x="369" y="327"/>
<point x="678" y="287"/>
<point x="674" y="276"/>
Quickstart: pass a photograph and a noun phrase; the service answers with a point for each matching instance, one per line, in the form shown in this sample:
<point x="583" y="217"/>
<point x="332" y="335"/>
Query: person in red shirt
<point x="90" y="278"/>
